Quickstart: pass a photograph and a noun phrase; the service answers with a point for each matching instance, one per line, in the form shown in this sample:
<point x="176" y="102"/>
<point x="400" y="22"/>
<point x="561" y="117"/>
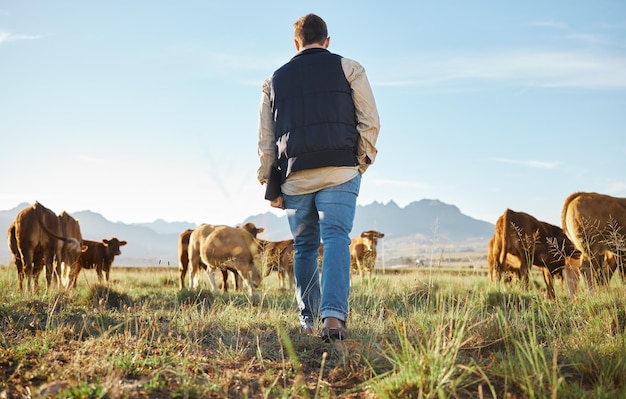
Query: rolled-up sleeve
<point x="368" y="121"/>
<point x="266" y="144"/>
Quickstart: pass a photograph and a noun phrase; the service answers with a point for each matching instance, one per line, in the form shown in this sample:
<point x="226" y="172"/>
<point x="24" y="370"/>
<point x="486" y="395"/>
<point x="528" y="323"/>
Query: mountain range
<point x="156" y="243"/>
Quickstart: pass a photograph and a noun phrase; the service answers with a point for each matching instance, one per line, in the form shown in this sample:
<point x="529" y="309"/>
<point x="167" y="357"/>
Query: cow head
<point x="251" y="275"/>
<point x="72" y="250"/>
<point x="372" y="236"/>
<point x="252" y="229"/>
<point x="113" y="246"/>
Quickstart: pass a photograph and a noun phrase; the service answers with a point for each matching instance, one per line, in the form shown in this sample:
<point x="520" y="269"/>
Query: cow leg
<point x="27" y="263"/>
<point x="49" y="274"/>
<point x="196" y="263"/>
<point x="211" y="279"/>
<point x="237" y="280"/>
<point x="56" y="271"/>
<point x="56" y="274"/>
<point x="602" y="277"/>
<point x="245" y="277"/>
<point x="20" y="273"/>
<point x="368" y="265"/>
<point x="182" y="269"/>
<point x="49" y="265"/>
<point x="292" y="282"/>
<point x="571" y="277"/>
<point x="224" y="280"/>
<point x="524" y="273"/>
<point x="64" y="274"/>
<point x="587" y="272"/>
<point x="281" y="279"/>
<point x="36" y="272"/>
<point x="492" y="274"/>
<point x="547" y="278"/>
<point x="193" y="278"/>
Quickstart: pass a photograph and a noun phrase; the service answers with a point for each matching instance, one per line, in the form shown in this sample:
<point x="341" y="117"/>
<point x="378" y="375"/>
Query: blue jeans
<point x="327" y="214"/>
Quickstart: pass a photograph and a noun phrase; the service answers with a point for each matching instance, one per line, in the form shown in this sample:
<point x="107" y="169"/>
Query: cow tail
<point x="38" y="211"/>
<point x="503" y="236"/>
<point x="568" y="200"/>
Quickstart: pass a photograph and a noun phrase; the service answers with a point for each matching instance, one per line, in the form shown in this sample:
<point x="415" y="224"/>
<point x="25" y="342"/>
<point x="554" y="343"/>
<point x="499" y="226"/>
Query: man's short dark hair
<point x="310" y="29"/>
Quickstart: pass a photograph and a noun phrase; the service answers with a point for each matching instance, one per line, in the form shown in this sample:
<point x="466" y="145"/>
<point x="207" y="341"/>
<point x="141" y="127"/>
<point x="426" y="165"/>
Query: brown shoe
<point x="334" y="330"/>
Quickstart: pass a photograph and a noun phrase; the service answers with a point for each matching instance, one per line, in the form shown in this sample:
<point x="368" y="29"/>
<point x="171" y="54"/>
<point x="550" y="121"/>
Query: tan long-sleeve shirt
<point x="311" y="180"/>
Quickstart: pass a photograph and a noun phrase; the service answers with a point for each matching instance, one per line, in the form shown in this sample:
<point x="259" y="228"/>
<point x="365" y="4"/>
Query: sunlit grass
<point x="429" y="332"/>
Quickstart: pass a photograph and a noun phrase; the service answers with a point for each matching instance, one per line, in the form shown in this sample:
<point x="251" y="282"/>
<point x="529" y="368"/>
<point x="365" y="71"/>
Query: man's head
<point x="310" y="30"/>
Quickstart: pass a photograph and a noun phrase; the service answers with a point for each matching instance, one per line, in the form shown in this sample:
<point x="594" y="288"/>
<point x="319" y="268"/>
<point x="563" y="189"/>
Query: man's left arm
<point x="266" y="142"/>
<point x="368" y="121"/>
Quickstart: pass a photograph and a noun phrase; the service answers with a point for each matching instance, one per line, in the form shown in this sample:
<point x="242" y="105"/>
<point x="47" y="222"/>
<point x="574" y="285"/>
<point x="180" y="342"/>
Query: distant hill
<point x="156" y="243"/>
<point x="422" y="220"/>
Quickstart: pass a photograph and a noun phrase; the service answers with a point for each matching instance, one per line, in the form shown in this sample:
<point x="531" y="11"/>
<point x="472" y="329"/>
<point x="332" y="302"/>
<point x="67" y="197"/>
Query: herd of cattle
<point x="239" y="250"/>
<point x="589" y="244"/>
<point x="41" y="240"/>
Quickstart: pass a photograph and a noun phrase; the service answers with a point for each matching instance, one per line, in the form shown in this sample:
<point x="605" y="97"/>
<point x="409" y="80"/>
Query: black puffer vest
<point x="315" y="121"/>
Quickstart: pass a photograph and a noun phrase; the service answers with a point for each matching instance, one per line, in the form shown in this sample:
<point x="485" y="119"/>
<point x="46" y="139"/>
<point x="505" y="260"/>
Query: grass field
<point x="414" y="333"/>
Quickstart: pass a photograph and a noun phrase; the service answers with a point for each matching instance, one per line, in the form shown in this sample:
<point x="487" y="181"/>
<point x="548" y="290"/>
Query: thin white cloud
<point x="529" y="163"/>
<point x="524" y="68"/>
<point x="6" y="37"/>
<point x="564" y="31"/>
<point x="586" y="38"/>
<point x="550" y="24"/>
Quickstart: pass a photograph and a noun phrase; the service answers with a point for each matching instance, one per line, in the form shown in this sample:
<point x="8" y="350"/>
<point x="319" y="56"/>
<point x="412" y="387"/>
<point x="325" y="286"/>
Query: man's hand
<point x="278" y="202"/>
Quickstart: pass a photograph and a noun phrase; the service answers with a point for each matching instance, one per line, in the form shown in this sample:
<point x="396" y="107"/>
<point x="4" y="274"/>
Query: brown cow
<point x="594" y="223"/>
<point x="183" y="256"/>
<point x="278" y="256"/>
<point x="15" y="252"/>
<point x="526" y="241"/>
<point x="225" y="248"/>
<point x="493" y="261"/>
<point x="37" y="228"/>
<point x="38" y="262"/>
<point x="497" y="269"/>
<point x="363" y="252"/>
<point x="183" y="253"/>
<point x="99" y="255"/>
<point x="183" y="259"/>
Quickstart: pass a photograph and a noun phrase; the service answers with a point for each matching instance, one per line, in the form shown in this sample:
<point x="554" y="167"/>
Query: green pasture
<point x="428" y="332"/>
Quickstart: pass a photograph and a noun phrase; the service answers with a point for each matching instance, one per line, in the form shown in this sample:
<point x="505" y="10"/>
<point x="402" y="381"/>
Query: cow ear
<point x="122" y="243"/>
<point x="364" y="234"/>
<point x="105" y="241"/>
<point x="260" y="230"/>
<point x="84" y="248"/>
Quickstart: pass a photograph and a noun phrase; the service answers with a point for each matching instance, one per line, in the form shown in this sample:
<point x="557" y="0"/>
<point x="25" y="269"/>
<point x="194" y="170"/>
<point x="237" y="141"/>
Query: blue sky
<point x="141" y="110"/>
